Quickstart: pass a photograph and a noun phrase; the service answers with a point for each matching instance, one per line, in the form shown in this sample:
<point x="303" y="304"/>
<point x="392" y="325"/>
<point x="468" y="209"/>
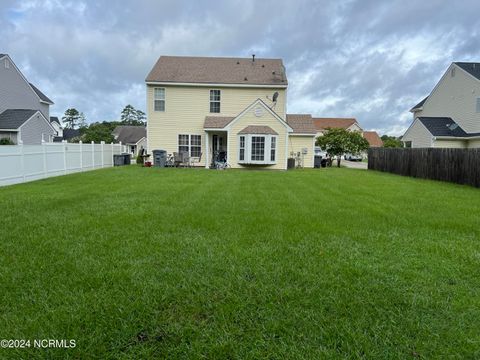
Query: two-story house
<point x="229" y="107"/>
<point x="24" y="109"/>
<point x="450" y="115"/>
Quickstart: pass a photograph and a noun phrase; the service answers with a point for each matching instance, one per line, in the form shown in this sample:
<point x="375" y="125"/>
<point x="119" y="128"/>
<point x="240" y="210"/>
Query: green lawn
<point x="139" y="263"/>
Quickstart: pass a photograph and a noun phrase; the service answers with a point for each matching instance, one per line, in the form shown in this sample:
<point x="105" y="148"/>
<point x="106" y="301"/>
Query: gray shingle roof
<point x="14" y="118"/>
<point x="70" y="133"/>
<point x="217" y="122"/>
<point x="444" y="126"/>
<point x="301" y="123"/>
<point x="41" y="95"/>
<point x="130" y="134"/>
<point x="471" y="67"/>
<point x="55" y="119"/>
<point x="258" y="129"/>
<point x="218" y="70"/>
<point x="420" y="104"/>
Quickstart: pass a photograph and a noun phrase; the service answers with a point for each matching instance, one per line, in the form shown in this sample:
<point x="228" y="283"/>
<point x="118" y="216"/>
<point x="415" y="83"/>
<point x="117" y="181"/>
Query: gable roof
<point x="471" y="67"/>
<point x="218" y="70"/>
<point x="55" y="119"/>
<point x="2" y="55"/>
<point x="12" y="119"/>
<point x="419" y="105"/>
<point x="301" y="123"/>
<point x="373" y="138"/>
<point x="130" y="134"/>
<point x="258" y="129"/>
<point x="41" y="95"/>
<point x="324" y="123"/>
<point x="217" y="122"/>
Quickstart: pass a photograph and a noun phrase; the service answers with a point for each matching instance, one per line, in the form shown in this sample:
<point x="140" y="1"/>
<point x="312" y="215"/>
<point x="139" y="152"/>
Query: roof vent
<point x="238" y="62"/>
<point x="452" y="126"/>
<point x="245" y="79"/>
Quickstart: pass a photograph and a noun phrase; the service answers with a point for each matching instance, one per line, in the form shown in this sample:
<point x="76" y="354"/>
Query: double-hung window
<point x="257" y="149"/>
<point x="214" y="101"/>
<point x="159" y="99"/>
<point x="191" y="144"/>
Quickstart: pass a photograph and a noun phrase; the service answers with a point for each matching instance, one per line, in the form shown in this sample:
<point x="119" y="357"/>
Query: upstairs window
<point x="7" y="64"/>
<point x="159" y="99"/>
<point x="214" y="101"/>
<point x="452" y="72"/>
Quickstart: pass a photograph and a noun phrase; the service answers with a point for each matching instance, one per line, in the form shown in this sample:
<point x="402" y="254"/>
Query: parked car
<point x="320" y="152"/>
<point x="353" y="157"/>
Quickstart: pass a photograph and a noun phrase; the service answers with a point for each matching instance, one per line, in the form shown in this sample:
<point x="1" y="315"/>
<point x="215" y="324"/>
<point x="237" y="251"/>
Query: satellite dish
<point x="275" y="96"/>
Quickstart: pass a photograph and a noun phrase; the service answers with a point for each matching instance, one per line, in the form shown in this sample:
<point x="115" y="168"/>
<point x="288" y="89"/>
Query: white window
<point x="192" y="144"/>
<point x="241" y="155"/>
<point x="159" y="99"/>
<point x="452" y="72"/>
<point x="273" y="145"/>
<point x="7" y="64"/>
<point x="478" y="105"/>
<point x="214" y="101"/>
<point x="257" y="149"/>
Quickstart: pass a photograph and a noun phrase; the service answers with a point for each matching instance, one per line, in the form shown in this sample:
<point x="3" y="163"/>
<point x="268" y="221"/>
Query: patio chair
<point x="195" y="160"/>
<point x="177" y="158"/>
<point x="185" y="159"/>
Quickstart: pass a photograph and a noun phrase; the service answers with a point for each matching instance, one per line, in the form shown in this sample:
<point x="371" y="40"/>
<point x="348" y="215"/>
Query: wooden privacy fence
<point x="461" y="166"/>
<point x="21" y="163"/>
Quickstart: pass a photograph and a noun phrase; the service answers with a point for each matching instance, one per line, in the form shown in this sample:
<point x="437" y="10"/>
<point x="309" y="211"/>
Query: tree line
<point x="101" y="131"/>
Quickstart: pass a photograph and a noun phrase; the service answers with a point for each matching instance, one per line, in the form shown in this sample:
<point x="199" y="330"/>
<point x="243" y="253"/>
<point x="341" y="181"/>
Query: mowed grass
<point x="137" y="263"/>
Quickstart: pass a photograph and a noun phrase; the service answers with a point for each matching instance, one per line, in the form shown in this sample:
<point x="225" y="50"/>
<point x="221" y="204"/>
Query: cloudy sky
<point x="367" y="59"/>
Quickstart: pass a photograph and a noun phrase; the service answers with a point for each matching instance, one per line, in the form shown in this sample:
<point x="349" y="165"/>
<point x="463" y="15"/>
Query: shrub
<point x="139" y="159"/>
<point x="6" y="141"/>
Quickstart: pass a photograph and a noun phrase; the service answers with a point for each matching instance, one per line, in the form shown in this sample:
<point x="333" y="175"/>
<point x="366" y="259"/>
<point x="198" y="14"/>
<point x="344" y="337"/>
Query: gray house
<point x="135" y="137"/>
<point x="24" y="109"/>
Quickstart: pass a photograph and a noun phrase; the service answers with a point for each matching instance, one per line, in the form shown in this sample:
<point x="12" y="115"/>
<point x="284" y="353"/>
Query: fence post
<point x="93" y="155"/>
<point x="22" y="160"/>
<point x="81" y="155"/>
<point x="102" y="143"/>
<point x="44" y="147"/>
<point x="64" y="145"/>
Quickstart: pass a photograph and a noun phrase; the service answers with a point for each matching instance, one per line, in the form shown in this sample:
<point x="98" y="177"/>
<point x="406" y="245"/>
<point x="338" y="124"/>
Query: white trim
<point x="31" y="117"/>
<point x="9" y="129"/>
<point x="248" y="108"/>
<point x="140" y="140"/>
<point x="167" y="83"/>
<point x="302" y="134"/>
<point x="457" y="138"/>
<point x="28" y="83"/>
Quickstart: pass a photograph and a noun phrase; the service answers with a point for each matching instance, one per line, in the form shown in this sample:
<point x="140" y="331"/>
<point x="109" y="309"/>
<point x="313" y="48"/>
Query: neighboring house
<point x="226" y="107"/>
<point x="350" y="124"/>
<point x="135" y="137"/>
<point x="67" y="135"/>
<point x="55" y="122"/>
<point x="373" y="139"/>
<point x="24" y="109"/>
<point x="450" y="115"/>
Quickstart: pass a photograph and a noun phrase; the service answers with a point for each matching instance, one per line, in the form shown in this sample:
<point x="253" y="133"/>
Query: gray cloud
<point x="369" y="59"/>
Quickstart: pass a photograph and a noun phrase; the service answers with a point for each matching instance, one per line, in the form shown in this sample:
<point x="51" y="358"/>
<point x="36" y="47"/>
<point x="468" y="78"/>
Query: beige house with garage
<point x="226" y="110"/>
<point x="450" y="116"/>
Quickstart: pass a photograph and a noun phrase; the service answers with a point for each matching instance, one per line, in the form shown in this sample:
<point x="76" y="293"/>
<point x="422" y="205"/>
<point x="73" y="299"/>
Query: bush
<point x="139" y="159"/>
<point x="6" y="141"/>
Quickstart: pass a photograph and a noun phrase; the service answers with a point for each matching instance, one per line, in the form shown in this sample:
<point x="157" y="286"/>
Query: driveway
<point x="354" y="164"/>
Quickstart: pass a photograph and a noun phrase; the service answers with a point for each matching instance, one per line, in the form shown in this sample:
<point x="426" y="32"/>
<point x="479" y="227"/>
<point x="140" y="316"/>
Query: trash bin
<point x="118" y="160"/>
<point x="291" y="163"/>
<point x="126" y="159"/>
<point x="317" y="161"/>
<point x="159" y="158"/>
<point x="323" y="162"/>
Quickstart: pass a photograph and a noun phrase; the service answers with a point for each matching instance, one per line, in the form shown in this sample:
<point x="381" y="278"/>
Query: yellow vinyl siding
<point x="187" y="106"/>
<point x="418" y="135"/>
<point x="440" y="143"/>
<point x="296" y="143"/>
<point x="267" y="119"/>
<point x="473" y="143"/>
<point x="455" y="97"/>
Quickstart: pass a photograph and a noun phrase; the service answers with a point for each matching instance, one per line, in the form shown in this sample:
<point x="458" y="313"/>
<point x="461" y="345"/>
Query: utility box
<point x="159" y="158"/>
<point x="291" y="163"/>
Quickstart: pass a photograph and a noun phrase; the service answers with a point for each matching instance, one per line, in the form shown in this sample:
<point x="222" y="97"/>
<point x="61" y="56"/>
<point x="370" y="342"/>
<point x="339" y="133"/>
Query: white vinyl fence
<point x="21" y="163"/>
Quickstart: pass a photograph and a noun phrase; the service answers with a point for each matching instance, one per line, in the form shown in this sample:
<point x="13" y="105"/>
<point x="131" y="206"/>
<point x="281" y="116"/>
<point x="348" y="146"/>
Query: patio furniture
<point x="177" y="159"/>
<point x="195" y="160"/>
